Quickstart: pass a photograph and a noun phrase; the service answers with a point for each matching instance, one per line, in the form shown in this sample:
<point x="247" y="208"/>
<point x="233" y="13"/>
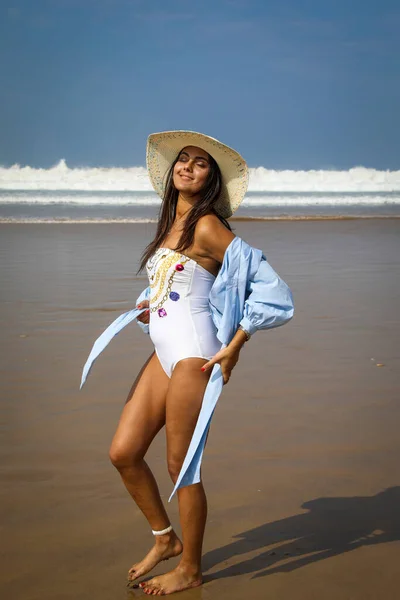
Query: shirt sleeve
<point x="145" y="295"/>
<point x="269" y="302"/>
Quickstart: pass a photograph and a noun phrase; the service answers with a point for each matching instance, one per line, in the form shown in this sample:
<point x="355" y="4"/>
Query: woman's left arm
<point x="214" y="238"/>
<point x="268" y="303"/>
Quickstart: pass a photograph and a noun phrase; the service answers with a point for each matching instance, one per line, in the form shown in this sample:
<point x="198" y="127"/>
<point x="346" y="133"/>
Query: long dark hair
<point x="205" y="205"/>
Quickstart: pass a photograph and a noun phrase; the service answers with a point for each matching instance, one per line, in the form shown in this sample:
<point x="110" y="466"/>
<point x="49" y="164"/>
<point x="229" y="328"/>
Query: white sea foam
<point x="68" y="221"/>
<point x="135" y="179"/>
<point x="356" y="180"/>
<point x="95" y="221"/>
<point x="321" y="199"/>
<point x="147" y="200"/>
<point x="91" y="199"/>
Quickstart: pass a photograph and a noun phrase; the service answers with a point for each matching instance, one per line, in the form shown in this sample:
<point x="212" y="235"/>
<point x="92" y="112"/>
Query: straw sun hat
<point x="163" y="148"/>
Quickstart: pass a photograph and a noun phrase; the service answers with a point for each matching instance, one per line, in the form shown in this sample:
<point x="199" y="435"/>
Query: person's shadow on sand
<point x="331" y="526"/>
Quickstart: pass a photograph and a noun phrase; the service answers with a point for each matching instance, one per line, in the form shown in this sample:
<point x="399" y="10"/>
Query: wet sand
<point x="302" y="464"/>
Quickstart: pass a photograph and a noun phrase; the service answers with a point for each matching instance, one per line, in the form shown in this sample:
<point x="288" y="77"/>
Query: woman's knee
<point x="174" y="468"/>
<point x="123" y="458"/>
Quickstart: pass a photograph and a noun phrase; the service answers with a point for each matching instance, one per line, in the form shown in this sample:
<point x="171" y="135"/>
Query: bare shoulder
<point x="212" y="236"/>
<point x="209" y="225"/>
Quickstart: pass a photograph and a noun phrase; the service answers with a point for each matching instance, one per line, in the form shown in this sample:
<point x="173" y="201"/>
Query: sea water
<point x="63" y="194"/>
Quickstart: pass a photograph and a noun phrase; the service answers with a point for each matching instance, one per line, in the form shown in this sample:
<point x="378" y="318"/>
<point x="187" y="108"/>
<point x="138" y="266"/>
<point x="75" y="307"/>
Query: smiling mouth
<point x="186" y="177"/>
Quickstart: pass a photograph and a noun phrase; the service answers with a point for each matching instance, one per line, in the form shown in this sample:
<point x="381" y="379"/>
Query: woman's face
<point x="191" y="170"/>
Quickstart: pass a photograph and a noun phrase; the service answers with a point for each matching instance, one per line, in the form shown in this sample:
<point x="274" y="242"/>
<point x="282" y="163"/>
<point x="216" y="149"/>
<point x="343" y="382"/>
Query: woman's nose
<point x="189" y="164"/>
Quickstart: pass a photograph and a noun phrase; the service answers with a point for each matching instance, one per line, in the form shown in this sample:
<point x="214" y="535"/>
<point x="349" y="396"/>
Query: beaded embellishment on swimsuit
<point x="161" y="263"/>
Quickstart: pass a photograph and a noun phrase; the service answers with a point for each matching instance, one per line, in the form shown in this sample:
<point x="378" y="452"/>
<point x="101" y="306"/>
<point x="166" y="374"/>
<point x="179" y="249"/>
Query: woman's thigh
<point x="144" y="413"/>
<point x="184" y="399"/>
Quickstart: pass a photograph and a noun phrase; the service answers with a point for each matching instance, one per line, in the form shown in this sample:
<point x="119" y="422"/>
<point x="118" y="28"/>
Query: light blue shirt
<point x="247" y="292"/>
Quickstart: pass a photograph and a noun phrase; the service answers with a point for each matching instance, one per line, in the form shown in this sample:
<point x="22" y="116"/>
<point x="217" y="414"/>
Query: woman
<point x="209" y="291"/>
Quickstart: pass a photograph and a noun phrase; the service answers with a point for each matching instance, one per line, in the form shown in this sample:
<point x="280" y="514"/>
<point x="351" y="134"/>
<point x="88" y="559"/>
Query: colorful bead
<point x="174" y="296"/>
<point x="162" y="312"/>
<point x="179" y="267"/>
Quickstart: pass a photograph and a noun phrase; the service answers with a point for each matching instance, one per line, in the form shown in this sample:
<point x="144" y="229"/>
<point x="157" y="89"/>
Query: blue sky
<point x="290" y="84"/>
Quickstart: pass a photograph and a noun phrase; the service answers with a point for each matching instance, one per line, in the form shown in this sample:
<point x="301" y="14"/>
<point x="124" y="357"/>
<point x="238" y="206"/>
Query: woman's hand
<point x="227" y="358"/>
<point x="145" y="316"/>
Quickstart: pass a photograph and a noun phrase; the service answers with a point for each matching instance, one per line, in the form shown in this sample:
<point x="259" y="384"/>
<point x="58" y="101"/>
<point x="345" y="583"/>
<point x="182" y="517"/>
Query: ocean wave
<point x="151" y="201"/>
<point x="312" y="199"/>
<point x="77" y="198"/>
<point x="97" y="221"/>
<point x="135" y="179"/>
<point x="70" y="221"/>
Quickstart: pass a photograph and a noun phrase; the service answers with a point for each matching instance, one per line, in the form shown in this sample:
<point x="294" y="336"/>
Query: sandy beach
<point x="302" y="463"/>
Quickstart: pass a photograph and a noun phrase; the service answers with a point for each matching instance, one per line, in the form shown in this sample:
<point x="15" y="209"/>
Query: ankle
<point x="164" y="539"/>
<point x="190" y="568"/>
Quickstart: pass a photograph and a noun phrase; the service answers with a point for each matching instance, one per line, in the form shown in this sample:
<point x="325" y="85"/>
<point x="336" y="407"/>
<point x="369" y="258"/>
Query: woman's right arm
<point x="144" y="317"/>
<point x="141" y="302"/>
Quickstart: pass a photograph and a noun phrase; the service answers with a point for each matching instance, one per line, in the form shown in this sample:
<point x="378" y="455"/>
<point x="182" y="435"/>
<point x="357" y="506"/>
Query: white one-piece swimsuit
<point x="180" y="323"/>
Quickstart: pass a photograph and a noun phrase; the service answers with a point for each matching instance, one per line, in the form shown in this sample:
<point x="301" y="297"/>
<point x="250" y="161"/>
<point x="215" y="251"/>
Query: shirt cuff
<point x="248" y="325"/>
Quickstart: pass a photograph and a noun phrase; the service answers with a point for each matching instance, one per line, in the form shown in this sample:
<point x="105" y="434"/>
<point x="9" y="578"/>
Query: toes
<point x="135" y="575"/>
<point x="149" y="591"/>
<point x="147" y="587"/>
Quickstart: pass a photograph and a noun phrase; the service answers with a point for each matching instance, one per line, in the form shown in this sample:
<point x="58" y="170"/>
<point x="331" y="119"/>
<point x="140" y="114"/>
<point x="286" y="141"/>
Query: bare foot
<point x="175" y="581"/>
<point x="166" y="546"/>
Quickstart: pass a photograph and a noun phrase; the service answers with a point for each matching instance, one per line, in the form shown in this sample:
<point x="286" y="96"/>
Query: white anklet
<point x="163" y="531"/>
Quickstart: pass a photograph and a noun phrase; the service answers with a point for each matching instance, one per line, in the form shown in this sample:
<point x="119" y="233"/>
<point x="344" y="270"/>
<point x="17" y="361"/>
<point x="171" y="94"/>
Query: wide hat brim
<point x="163" y="148"/>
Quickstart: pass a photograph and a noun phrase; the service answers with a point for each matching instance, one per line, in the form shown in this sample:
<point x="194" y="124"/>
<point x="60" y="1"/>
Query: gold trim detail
<point x="162" y="264"/>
